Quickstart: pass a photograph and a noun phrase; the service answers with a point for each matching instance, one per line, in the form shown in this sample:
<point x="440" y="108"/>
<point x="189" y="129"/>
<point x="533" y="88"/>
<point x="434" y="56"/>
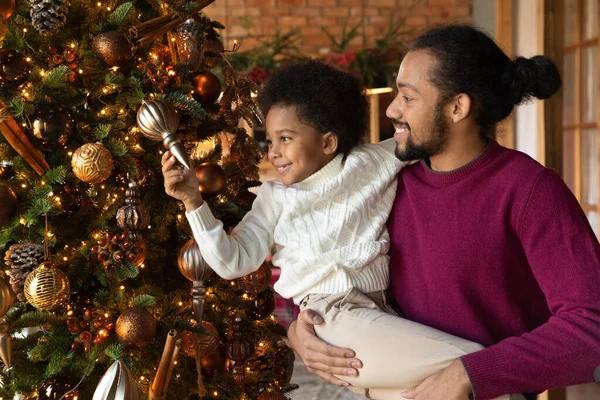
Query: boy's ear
<point x="330" y="143"/>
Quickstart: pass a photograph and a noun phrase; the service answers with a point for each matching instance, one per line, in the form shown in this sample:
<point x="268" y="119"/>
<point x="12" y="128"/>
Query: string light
<point x="72" y="45"/>
<point x="70" y="153"/>
<point x="24" y="30"/>
<point x="43" y="183"/>
<point x="122" y="287"/>
<point x="22" y="221"/>
<point x="232" y="283"/>
<point x="65" y="258"/>
<point x="179" y="217"/>
<point x="245" y="296"/>
<point x="105" y="315"/>
<point x="23" y="185"/>
<point x="80" y="71"/>
<point x="99" y="4"/>
<point x="28" y="59"/>
<point x="143" y="266"/>
<point x="180" y="303"/>
<point x="216" y="394"/>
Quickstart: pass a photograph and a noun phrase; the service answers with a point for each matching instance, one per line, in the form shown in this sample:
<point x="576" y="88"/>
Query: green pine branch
<point x="187" y="105"/>
<point x="101" y="131"/>
<point x="122" y="14"/>
<point x="16" y="106"/>
<point x="56" y="78"/>
<point x="117" y="147"/>
<point x="144" y="301"/>
<point x="56" y="175"/>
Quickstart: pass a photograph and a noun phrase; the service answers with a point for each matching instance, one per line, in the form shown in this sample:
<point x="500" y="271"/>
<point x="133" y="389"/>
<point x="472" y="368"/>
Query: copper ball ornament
<point x="259" y="280"/>
<point x="136" y="327"/>
<point x="208" y="340"/>
<point x="51" y="127"/>
<point x="14" y="68"/>
<point x="7" y="7"/>
<point x="261" y="306"/>
<point x="8" y="204"/>
<point x="112" y="48"/>
<point x="58" y="388"/>
<point x="46" y="287"/>
<point x="211" y="178"/>
<point x="213" y="48"/>
<point x="92" y="163"/>
<point x="207" y="87"/>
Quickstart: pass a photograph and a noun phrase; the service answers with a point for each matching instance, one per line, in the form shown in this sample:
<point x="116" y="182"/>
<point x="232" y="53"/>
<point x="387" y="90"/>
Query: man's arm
<point x="321" y="358"/>
<point x="564" y="256"/>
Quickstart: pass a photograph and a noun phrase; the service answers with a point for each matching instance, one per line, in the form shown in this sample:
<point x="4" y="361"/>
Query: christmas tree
<point x="95" y="297"/>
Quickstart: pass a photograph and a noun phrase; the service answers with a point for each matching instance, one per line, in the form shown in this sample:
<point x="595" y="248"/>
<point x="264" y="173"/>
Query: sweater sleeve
<point x="246" y="248"/>
<point x="564" y="256"/>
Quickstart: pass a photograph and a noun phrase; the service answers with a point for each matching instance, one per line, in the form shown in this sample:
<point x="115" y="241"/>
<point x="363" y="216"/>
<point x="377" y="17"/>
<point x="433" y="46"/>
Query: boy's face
<point x="419" y="121"/>
<point x="296" y="150"/>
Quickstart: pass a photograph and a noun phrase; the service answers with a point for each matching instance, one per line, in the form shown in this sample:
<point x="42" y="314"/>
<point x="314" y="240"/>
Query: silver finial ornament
<point x="158" y="120"/>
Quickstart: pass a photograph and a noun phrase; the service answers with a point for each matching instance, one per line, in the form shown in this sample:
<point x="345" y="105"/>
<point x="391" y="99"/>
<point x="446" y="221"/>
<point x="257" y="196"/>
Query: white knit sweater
<point x="329" y="230"/>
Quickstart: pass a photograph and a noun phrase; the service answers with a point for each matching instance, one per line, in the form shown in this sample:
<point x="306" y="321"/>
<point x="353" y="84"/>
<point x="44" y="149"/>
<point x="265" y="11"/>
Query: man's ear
<point x="330" y="143"/>
<point x="460" y="107"/>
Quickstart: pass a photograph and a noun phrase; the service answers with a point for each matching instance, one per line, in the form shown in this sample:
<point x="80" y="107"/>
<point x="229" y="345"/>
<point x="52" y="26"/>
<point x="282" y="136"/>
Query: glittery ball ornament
<point x="46" y="287"/>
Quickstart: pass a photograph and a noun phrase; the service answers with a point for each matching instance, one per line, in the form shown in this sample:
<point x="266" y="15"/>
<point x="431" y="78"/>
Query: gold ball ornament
<point x="136" y="327"/>
<point x="211" y="178"/>
<point x="7" y="297"/>
<point x="92" y="163"/>
<point x="191" y="264"/>
<point x="8" y="204"/>
<point x="46" y="287"/>
<point x="112" y="48"/>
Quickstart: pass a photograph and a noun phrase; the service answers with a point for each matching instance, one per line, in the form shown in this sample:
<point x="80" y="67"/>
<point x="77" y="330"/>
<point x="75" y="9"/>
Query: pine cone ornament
<point x="47" y="16"/>
<point x="22" y="259"/>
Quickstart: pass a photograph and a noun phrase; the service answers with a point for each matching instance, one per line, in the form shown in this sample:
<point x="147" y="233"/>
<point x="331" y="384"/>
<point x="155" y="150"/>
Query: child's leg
<point x="396" y="353"/>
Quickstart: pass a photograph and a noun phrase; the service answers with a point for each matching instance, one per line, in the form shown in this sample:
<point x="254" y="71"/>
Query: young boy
<point x="327" y="219"/>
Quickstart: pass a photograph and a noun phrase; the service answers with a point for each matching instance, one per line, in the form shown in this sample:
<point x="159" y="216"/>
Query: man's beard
<point x="434" y="145"/>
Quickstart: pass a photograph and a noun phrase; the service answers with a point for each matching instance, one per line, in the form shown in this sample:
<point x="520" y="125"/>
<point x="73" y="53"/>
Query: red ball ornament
<point x="207" y="87"/>
<point x="211" y="178"/>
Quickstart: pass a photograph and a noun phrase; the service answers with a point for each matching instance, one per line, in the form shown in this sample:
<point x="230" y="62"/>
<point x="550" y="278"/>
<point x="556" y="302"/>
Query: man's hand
<point x="181" y="184"/>
<point x="451" y="383"/>
<point x="321" y="358"/>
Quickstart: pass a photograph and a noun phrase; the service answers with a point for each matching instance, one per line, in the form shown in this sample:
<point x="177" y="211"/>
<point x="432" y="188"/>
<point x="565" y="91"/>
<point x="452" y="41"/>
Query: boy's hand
<point x="181" y="183"/>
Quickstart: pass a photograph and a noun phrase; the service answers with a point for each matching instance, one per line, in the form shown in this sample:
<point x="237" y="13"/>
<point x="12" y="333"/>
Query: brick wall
<point x="248" y="19"/>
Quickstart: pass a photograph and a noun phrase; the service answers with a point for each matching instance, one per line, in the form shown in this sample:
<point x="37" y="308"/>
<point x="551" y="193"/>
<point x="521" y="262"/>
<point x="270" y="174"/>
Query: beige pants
<point x="397" y="354"/>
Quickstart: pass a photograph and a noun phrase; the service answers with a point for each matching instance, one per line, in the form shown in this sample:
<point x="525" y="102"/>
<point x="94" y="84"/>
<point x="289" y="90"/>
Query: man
<point x="487" y="244"/>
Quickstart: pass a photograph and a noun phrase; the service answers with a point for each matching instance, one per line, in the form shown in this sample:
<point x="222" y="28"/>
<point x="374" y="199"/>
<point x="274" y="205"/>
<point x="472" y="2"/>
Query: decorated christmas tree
<point x="104" y="294"/>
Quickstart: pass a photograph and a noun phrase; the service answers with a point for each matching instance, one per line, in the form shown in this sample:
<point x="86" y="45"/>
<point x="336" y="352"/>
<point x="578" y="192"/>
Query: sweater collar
<point x="489" y="151"/>
<point x="322" y="176"/>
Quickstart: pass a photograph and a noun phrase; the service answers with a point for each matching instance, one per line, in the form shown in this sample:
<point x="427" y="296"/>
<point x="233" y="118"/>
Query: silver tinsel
<point x="47" y="16"/>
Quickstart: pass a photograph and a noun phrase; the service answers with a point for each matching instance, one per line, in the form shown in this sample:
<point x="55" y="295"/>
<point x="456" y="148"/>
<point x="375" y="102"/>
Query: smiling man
<point x="487" y="244"/>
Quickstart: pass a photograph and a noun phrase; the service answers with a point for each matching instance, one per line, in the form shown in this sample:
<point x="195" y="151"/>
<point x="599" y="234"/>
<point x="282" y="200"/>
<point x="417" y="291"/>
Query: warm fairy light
<point x="42" y="72"/>
<point x="126" y="137"/>
<point x="232" y="283"/>
<point x="96" y="236"/>
<point x="28" y="59"/>
<point x="273" y="317"/>
<point x="50" y="234"/>
<point x="102" y="187"/>
<point x="261" y="344"/>
<point x="69" y="313"/>
<point x="247" y="369"/>
<point x="137" y="146"/>
<point x="172" y="73"/>
<point x="141" y="378"/>
<point x="216" y="394"/>
<point x="103" y="112"/>
<point x="245" y="296"/>
<point x="99" y="4"/>
<point x="179" y="217"/>
<point x="105" y="315"/>
<point x="24" y="124"/>
<point x="115" y="68"/>
<point x="65" y="258"/>
<point x="154" y="56"/>
<point x="22" y="221"/>
<point x="174" y="362"/>
<point x="134" y="129"/>
<point x="80" y="71"/>
<point x="57" y="199"/>
<point x="66" y="246"/>
<point x="172" y="39"/>
<point x="70" y="153"/>
<point x="23" y="185"/>
<point x="180" y="303"/>
<point x="107" y="8"/>
<point x="24" y="30"/>
<point x="43" y="182"/>
<point x="143" y="266"/>
<point x="26" y="94"/>
<point x="72" y="45"/>
<point x="104" y="90"/>
<point x="122" y="287"/>
<point x="121" y="111"/>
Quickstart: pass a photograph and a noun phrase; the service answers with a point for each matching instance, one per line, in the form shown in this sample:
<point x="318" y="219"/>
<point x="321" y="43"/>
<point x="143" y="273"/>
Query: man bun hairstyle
<point x="470" y="62"/>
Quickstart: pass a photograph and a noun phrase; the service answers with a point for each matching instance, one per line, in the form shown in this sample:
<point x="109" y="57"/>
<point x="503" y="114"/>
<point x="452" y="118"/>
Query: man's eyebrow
<point x="406" y="85"/>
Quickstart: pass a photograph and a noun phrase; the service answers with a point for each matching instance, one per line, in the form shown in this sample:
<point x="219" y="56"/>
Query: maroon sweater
<point x="499" y="252"/>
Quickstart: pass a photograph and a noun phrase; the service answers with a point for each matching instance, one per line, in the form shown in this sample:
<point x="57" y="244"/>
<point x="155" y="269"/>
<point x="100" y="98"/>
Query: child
<point x="327" y="220"/>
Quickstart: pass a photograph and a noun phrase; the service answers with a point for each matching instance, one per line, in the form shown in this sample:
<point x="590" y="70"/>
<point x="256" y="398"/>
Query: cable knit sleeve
<point x="245" y="249"/>
<point x="564" y="256"/>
